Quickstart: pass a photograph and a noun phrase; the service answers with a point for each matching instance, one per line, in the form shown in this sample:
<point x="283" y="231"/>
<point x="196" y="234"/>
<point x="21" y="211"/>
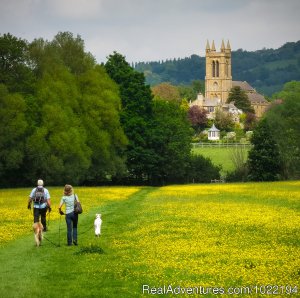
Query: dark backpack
<point x="39" y="195"/>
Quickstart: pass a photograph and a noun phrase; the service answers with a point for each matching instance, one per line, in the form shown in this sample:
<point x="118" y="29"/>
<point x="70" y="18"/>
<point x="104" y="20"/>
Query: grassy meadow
<point x="221" y="156"/>
<point x="212" y="236"/>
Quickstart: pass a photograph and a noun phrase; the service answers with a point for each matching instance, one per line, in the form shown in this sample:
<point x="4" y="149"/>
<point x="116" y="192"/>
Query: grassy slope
<point x="209" y="235"/>
<point x="219" y="156"/>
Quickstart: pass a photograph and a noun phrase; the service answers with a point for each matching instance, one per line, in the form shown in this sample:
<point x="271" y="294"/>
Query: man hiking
<point x="40" y="197"/>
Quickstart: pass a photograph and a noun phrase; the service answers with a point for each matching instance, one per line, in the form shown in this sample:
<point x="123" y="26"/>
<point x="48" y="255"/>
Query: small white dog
<point x="97" y="225"/>
<point x="38" y="233"/>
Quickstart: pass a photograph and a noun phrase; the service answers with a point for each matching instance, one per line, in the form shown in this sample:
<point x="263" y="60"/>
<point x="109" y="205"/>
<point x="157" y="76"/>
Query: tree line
<point x="275" y="154"/>
<point x="66" y="118"/>
<point x="267" y="70"/>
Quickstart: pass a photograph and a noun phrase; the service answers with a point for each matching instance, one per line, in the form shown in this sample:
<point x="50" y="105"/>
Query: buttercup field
<point x="213" y="236"/>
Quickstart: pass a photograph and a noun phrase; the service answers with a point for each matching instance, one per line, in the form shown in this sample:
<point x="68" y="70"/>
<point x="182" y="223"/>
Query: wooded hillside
<point x="267" y="70"/>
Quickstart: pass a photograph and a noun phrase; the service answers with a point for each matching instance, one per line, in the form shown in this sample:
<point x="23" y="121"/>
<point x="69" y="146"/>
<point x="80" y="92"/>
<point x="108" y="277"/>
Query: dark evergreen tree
<point x="264" y="160"/>
<point x="171" y="140"/>
<point x="202" y="170"/>
<point x="136" y="115"/>
<point x="240" y="99"/>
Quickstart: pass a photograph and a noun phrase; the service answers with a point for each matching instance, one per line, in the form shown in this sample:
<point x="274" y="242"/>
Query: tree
<point x="99" y="108"/>
<point x="166" y="91"/>
<point x="264" y="160"/>
<point x="76" y="134"/>
<point x="223" y="121"/>
<point x="197" y="117"/>
<point x="14" y="71"/>
<point x="136" y="115"/>
<point x="171" y="137"/>
<point x="13" y="127"/>
<point x="240" y="99"/>
<point x="57" y="148"/>
<point x="250" y="121"/>
<point x="284" y="122"/>
<point x="202" y="170"/>
<point x="71" y="51"/>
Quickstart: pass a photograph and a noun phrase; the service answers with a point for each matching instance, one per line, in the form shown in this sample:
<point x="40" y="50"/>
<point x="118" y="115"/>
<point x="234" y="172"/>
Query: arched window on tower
<point x="213" y="69"/>
<point x="217" y="69"/>
<point x="215" y="86"/>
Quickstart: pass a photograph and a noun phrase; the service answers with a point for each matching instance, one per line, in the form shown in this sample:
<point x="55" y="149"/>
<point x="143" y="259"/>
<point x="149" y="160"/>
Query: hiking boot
<point x="75" y="243"/>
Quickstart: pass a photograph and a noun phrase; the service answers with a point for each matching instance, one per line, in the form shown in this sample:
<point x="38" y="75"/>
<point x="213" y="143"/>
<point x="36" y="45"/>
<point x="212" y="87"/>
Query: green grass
<point x="220" y="156"/>
<point x="196" y="235"/>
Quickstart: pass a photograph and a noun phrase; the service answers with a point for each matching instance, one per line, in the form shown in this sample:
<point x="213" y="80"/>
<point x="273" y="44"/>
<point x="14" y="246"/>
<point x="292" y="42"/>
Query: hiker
<point x="71" y="217"/>
<point x="40" y="197"/>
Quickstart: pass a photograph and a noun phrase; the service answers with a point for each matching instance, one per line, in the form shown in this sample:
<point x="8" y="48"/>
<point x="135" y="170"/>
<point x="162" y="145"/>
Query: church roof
<point x="243" y="84"/>
<point x="253" y="96"/>
<point x="256" y="98"/>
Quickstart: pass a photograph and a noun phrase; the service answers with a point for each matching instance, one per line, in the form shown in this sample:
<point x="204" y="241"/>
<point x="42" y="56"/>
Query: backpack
<point x="39" y="195"/>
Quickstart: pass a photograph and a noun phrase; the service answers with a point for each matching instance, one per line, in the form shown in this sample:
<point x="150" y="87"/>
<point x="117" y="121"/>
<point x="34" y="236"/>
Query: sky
<point x="153" y="30"/>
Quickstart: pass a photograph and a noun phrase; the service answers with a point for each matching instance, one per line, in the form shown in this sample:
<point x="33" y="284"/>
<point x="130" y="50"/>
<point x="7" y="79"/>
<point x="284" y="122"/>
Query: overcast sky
<point x="151" y="30"/>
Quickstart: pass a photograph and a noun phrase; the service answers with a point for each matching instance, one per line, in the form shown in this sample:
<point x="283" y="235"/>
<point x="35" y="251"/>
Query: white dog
<point x="38" y="233"/>
<point x="97" y="225"/>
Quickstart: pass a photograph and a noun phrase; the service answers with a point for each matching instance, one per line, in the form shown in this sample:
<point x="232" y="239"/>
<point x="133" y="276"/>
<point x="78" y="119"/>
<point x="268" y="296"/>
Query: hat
<point x="68" y="190"/>
<point x="40" y="182"/>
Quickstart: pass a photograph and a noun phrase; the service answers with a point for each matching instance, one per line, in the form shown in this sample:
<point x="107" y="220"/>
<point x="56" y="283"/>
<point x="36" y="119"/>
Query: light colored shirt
<point x="42" y="205"/>
<point x="69" y="201"/>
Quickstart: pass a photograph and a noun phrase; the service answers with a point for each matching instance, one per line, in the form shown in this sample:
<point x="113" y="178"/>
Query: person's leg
<point x="69" y="228"/>
<point x="43" y="213"/>
<point x="36" y="214"/>
<point x="75" y="222"/>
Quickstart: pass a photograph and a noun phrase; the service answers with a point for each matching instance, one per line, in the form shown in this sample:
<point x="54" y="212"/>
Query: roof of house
<point x="211" y="102"/>
<point x="231" y="106"/>
<point x="213" y="128"/>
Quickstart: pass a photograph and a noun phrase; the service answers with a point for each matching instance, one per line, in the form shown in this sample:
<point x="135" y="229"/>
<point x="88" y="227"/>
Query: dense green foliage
<point x="65" y="127"/>
<point x="68" y="120"/>
<point x="158" y="131"/>
<point x="172" y="143"/>
<point x="284" y="119"/>
<point x="264" y="160"/>
<point x="240" y="99"/>
<point x="136" y="116"/>
<point x="267" y="70"/>
<point x="15" y="72"/>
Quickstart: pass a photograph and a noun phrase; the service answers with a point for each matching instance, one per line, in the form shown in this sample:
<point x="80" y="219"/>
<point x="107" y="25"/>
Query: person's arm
<point x="59" y="208"/>
<point x="29" y="203"/>
<point x="48" y="200"/>
<point x="30" y="199"/>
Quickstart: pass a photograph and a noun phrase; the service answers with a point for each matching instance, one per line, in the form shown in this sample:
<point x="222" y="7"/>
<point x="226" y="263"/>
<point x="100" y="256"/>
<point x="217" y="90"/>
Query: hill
<point x="267" y="70"/>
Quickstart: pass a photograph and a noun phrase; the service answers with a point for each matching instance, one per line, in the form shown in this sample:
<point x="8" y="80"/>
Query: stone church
<point x="218" y="83"/>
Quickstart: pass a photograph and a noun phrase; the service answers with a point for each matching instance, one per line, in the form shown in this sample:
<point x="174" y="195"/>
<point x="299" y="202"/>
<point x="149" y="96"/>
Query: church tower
<point x="218" y="79"/>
